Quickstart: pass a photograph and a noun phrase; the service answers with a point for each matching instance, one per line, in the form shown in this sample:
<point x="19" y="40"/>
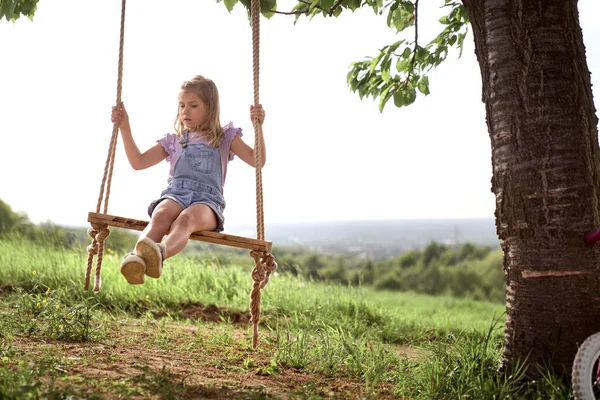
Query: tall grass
<point x="424" y="347"/>
<point x="303" y="304"/>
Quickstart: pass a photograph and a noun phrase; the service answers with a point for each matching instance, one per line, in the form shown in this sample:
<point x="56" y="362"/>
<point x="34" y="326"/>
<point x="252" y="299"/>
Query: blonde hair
<point x="207" y="91"/>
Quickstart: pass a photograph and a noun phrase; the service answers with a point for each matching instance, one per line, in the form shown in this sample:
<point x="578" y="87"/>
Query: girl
<point x="198" y="152"/>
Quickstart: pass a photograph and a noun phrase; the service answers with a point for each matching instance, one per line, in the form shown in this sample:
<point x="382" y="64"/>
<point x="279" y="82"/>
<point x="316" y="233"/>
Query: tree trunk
<point x="545" y="159"/>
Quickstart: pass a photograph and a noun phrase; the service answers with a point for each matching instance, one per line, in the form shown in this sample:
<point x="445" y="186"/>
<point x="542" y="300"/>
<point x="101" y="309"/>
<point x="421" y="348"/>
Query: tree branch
<point x="416" y="45"/>
<point x="335" y="6"/>
<point x="288" y="12"/>
<point x="414" y="55"/>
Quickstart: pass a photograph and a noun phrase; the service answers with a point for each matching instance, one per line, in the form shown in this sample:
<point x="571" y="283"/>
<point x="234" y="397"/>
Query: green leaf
<point x="402" y="65"/>
<point x="411" y="95"/>
<point x="267" y="6"/>
<point x="385" y="68"/>
<point x="385" y="96"/>
<point x="229" y="4"/>
<point x="385" y="75"/>
<point x="327" y="4"/>
<point x="399" y="99"/>
<point x="400" y="18"/>
<point x="405" y="96"/>
<point x="376" y="61"/>
<point x="390" y="16"/>
<point x="462" y="12"/>
<point x="422" y="54"/>
<point x="11" y="8"/>
<point x="461" y="39"/>
<point x="394" y="46"/>
<point x="424" y="85"/>
<point x="351" y="4"/>
<point x="362" y="89"/>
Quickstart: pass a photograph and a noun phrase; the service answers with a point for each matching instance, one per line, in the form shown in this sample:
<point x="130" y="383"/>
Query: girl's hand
<point x="119" y="115"/>
<point x="257" y="113"/>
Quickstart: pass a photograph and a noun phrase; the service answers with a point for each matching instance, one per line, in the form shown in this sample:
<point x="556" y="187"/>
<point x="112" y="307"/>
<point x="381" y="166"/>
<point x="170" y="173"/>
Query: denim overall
<point x="197" y="179"/>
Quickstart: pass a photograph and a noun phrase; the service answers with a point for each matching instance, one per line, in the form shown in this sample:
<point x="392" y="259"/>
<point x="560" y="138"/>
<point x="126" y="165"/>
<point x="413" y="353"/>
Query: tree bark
<point x="545" y="158"/>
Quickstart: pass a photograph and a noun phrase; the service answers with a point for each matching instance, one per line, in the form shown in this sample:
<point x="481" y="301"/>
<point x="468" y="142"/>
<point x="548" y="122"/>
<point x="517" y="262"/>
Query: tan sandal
<point x="153" y="255"/>
<point x="133" y="268"/>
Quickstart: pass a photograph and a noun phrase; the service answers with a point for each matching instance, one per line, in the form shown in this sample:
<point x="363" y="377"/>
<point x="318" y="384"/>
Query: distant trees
<point x="467" y="271"/>
<point x="14" y="224"/>
<point x="464" y="271"/>
<point x="9" y="220"/>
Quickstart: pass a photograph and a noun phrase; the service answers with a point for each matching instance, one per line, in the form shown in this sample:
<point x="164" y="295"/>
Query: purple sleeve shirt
<point x="170" y="142"/>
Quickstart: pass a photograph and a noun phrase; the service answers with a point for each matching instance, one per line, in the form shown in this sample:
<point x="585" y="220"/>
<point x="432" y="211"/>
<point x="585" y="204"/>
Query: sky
<point x="331" y="156"/>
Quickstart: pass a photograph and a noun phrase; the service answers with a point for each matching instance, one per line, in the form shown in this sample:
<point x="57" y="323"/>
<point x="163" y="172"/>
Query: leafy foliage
<point x="14" y="9"/>
<point x="399" y="71"/>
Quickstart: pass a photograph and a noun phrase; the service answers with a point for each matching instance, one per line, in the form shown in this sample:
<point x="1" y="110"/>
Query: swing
<point x="264" y="262"/>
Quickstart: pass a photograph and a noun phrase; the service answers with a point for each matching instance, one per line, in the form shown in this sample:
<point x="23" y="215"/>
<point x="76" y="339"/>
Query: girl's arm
<point x="241" y="149"/>
<point x="137" y="159"/>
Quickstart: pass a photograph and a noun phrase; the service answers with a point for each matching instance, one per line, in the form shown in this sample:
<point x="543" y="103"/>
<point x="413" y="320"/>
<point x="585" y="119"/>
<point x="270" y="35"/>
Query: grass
<point x="317" y="340"/>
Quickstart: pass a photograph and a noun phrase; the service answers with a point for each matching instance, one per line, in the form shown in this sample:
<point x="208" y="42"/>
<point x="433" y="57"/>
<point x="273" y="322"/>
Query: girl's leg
<point x="162" y="217"/>
<point x="135" y="265"/>
<point x="197" y="217"/>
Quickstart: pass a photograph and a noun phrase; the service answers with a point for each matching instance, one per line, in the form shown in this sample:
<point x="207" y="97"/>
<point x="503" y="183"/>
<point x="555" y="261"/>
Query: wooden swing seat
<point x="203" y="236"/>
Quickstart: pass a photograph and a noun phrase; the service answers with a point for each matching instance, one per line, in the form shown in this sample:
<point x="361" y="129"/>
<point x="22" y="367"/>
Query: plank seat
<point x="203" y="236"/>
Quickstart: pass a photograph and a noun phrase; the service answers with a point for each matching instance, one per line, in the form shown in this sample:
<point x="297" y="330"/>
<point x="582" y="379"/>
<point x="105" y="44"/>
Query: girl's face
<point x="192" y="109"/>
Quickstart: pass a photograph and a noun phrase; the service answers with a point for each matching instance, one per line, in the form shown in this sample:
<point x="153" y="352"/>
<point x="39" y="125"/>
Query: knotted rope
<point x="264" y="263"/>
<point x="99" y="232"/>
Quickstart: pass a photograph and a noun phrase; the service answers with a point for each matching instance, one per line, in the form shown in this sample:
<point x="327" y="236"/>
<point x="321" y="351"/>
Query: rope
<point x="99" y="233"/>
<point x="264" y="263"/>
<point x="260" y="226"/>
